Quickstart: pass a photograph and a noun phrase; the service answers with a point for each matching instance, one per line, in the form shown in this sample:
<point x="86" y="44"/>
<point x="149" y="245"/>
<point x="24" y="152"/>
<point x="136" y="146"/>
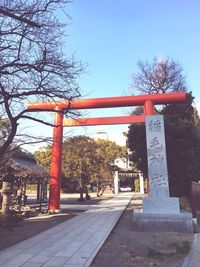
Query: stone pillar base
<point x="147" y="222"/>
<point x="164" y="205"/>
<point x="54" y="211"/>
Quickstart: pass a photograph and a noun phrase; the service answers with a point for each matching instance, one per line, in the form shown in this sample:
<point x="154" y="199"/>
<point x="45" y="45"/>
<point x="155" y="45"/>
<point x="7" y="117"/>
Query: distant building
<point x="119" y="138"/>
<point x="121" y="163"/>
<point x="101" y="134"/>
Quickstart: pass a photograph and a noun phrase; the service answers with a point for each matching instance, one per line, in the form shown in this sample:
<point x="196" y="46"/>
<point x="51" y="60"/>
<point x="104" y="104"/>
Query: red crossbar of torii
<point x="147" y="101"/>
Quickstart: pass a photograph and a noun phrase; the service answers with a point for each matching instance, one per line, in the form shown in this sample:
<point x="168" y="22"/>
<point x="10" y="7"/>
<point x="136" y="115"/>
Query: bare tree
<point x="159" y="77"/>
<point x="33" y="66"/>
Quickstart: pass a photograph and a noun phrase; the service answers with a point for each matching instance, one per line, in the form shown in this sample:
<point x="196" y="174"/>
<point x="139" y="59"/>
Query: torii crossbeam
<point x="147" y="101"/>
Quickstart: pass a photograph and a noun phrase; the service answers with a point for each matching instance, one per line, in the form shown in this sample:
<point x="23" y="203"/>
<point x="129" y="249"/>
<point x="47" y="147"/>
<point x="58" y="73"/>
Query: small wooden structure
<point x="25" y="171"/>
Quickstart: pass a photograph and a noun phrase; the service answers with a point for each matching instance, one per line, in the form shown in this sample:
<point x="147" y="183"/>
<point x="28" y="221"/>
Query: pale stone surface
<point x="78" y="260"/>
<point x="31" y="264"/>
<point x="156" y="156"/>
<point x="149" y="222"/>
<point x="18" y="260"/>
<point x="74" y="242"/>
<point x="160" y="212"/>
<point x="193" y="259"/>
<point x="167" y="205"/>
<point x="56" y="261"/>
<point x="39" y="259"/>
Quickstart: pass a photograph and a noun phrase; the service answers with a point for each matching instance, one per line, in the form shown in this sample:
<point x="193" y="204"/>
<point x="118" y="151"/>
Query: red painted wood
<point x="108" y="102"/>
<point x="56" y="163"/>
<point x="148" y="108"/>
<point x="103" y="121"/>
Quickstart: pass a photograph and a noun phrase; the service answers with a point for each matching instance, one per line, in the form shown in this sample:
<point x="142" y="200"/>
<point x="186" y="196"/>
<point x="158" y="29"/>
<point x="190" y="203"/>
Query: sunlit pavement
<point x="74" y="242"/>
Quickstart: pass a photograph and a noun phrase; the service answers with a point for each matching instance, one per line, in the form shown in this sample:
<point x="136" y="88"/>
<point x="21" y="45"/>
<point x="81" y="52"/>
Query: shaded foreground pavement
<point x="77" y="242"/>
<point x="74" y="242"/>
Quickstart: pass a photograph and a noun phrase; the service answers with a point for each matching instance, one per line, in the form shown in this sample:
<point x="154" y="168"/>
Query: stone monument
<point x="160" y="211"/>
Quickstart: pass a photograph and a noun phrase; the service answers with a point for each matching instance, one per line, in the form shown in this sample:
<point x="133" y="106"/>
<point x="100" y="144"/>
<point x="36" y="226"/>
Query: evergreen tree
<point x="181" y="127"/>
<point x="182" y="145"/>
<point x="183" y="148"/>
<point x="85" y="160"/>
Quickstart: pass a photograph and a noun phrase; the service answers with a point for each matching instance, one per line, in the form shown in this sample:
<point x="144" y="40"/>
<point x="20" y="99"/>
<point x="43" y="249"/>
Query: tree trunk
<point x="81" y="189"/>
<point x="87" y="196"/>
<point x="98" y="188"/>
<point x="5" y="146"/>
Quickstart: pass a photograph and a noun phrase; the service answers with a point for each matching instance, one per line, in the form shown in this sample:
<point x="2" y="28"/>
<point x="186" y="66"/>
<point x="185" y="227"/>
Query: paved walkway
<point x="74" y="242"/>
<point x="193" y="259"/>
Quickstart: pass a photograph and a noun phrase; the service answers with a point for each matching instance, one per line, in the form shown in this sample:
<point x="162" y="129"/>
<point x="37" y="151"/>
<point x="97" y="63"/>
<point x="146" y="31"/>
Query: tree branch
<point x="19" y="18"/>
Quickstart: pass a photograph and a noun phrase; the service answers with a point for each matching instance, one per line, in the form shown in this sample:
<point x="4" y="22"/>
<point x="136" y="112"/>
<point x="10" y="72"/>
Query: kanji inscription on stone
<point x="156" y="156"/>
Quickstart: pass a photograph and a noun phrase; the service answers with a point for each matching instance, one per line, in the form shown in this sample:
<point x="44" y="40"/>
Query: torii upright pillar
<point x="56" y="163"/>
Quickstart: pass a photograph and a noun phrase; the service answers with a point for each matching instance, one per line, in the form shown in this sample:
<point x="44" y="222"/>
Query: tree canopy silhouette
<point x="158" y="77"/>
<point x="33" y="65"/>
<point x="181" y="126"/>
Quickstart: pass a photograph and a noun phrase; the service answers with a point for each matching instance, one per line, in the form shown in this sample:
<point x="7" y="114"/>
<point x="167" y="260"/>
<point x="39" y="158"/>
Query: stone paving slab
<point x="73" y="243"/>
<point x="193" y="259"/>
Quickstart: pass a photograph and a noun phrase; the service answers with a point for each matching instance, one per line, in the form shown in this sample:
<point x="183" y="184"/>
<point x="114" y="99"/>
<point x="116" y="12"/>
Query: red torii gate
<point x="147" y="101"/>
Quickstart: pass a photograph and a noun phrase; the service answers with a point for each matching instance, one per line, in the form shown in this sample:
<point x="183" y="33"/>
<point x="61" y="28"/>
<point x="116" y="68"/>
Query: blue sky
<point x="112" y="35"/>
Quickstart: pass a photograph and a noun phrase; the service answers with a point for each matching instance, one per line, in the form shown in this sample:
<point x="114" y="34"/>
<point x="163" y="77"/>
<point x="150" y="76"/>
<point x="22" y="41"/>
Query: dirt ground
<point x="123" y="248"/>
<point x="126" y="247"/>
